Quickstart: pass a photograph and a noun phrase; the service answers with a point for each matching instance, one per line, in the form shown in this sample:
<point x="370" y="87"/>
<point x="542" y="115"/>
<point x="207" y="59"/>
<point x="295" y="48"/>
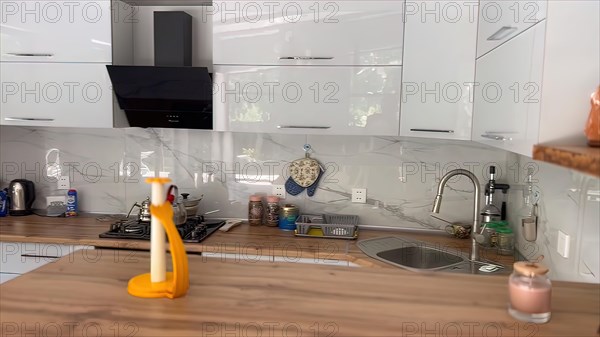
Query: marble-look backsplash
<point x="108" y="167"/>
<point x="570" y="202"/>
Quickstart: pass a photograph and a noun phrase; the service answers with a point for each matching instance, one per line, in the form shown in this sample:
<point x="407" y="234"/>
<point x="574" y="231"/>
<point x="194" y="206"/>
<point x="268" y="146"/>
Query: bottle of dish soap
<point x="3" y="202"/>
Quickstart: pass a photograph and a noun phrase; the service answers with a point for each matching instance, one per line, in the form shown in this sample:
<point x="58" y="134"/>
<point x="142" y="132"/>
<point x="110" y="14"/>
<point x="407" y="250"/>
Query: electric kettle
<point x="21" y="193"/>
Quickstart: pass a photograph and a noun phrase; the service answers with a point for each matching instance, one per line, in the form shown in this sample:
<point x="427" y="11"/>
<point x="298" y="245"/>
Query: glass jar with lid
<point x="255" y="211"/>
<point x="530" y="292"/>
<point x="506" y="241"/>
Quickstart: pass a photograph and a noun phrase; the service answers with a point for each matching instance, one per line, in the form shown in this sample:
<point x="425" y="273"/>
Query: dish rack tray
<point x="332" y="226"/>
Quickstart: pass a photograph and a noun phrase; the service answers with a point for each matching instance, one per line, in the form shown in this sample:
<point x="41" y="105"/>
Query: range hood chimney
<point x="172" y="39"/>
<point x="172" y="93"/>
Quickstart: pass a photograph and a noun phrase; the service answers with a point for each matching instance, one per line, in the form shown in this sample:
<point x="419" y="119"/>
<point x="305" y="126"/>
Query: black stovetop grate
<point x="194" y="230"/>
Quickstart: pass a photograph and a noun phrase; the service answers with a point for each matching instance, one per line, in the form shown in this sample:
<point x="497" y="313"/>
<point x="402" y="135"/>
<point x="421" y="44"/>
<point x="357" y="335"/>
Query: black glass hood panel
<point x="164" y="97"/>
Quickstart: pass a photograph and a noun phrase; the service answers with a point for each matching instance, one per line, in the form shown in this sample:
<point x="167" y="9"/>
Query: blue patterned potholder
<point x="294" y="189"/>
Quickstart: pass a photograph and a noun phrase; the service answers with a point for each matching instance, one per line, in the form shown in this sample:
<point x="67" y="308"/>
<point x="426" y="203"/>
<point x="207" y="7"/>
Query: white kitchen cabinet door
<point x="500" y="21"/>
<point x="508" y="93"/>
<point x="307" y="99"/>
<point x="5" y="277"/>
<point x="308" y="32"/>
<point x="438" y="70"/>
<point x="56" y="94"/>
<point x="20" y="258"/>
<point x="56" y="31"/>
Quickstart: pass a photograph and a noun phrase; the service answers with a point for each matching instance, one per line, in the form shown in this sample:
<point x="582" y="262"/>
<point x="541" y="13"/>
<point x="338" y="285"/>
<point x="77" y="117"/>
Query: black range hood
<point x="164" y="97"/>
<point x="171" y="94"/>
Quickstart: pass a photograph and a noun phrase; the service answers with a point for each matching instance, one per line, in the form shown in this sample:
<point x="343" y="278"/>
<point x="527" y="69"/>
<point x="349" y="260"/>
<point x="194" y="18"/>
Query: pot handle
<point x="170" y="192"/>
<point x="131" y="209"/>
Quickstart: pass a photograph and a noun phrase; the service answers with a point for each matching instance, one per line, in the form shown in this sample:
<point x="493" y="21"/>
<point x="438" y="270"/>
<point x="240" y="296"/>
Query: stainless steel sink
<point x="420" y="257"/>
<point x="423" y="256"/>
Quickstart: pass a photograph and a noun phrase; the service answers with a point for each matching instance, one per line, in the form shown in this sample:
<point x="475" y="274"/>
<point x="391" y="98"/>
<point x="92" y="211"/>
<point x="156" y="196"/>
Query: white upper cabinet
<point x="56" y="94"/>
<point x="56" y="31"/>
<point x="307" y="99"/>
<point x="439" y="69"/>
<point x="508" y="93"/>
<point x="500" y="21"/>
<point x="536" y="87"/>
<point x="308" y="32"/>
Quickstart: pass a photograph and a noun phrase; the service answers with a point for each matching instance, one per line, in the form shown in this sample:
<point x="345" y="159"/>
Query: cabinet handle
<point x="306" y="58"/>
<point x="303" y="127"/>
<point x="30" y="54"/>
<point x="40" y="256"/>
<point x="495" y="137"/>
<point x="28" y="119"/>
<point x="432" y="130"/>
<point x="503" y="32"/>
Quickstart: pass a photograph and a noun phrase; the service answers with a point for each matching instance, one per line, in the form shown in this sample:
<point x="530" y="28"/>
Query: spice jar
<point x="255" y="211"/>
<point x="530" y="291"/>
<point x="272" y="218"/>
<point x="506" y="241"/>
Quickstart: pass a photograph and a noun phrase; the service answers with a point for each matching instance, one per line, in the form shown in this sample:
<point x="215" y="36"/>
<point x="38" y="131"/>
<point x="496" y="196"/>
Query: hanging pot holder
<point x="305" y="173"/>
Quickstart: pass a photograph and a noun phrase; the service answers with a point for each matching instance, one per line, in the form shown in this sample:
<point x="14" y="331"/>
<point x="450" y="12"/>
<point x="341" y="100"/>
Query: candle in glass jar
<point x="530" y="292"/>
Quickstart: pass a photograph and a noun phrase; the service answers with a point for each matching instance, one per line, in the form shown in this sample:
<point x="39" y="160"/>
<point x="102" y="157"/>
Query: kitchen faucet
<point x="438" y="201"/>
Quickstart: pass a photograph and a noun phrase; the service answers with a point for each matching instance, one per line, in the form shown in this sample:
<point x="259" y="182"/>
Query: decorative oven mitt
<point x="304" y="173"/>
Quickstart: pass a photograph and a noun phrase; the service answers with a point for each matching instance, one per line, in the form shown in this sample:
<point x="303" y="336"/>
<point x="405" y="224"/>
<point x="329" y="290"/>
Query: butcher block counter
<point x="243" y="241"/>
<point x="84" y="296"/>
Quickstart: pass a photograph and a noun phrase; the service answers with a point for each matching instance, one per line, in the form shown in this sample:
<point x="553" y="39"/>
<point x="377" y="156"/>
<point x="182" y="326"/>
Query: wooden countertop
<point x="88" y="297"/>
<point x="575" y="155"/>
<point x="242" y="240"/>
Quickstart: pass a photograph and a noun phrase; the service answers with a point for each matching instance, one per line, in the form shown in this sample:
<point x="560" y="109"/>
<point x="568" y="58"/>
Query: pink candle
<point x="529" y="299"/>
<point x="530" y="291"/>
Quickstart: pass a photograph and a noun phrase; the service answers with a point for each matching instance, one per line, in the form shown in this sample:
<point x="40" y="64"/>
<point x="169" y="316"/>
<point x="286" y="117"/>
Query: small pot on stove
<point x="144" y="213"/>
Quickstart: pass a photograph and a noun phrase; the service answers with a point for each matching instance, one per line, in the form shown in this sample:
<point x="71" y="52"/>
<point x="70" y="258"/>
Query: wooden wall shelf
<point x="579" y="157"/>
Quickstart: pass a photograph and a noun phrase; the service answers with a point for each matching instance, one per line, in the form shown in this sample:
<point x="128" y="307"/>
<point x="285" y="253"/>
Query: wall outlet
<point x="563" y="245"/>
<point x="279" y="190"/>
<point x="359" y="195"/>
<point x="51" y="199"/>
<point x="63" y="183"/>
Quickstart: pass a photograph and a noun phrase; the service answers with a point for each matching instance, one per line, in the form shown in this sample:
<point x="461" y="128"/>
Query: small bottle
<point x="527" y="213"/>
<point x="3" y="203"/>
<point x="530" y="292"/>
<point x="272" y="218"/>
<point x="255" y="211"/>
<point x="71" y="203"/>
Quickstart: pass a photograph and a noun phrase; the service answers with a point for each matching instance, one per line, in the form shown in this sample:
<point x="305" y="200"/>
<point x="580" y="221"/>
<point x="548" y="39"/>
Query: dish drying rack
<point x="332" y="226"/>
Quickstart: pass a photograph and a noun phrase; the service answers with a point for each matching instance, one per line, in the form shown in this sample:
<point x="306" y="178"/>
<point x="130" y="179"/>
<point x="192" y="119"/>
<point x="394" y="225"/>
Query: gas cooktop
<point x="195" y="229"/>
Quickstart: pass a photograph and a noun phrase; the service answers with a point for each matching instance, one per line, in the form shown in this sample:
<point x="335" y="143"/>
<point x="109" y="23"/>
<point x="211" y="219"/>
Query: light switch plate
<point x="563" y="244"/>
<point x="359" y="195"/>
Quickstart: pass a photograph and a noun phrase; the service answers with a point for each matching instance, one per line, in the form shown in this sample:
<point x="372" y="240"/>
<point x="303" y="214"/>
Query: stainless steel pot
<point x="191" y="204"/>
